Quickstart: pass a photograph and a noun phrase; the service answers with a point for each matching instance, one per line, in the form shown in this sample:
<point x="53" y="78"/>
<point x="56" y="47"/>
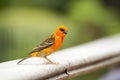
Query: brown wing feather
<point x="45" y="44"/>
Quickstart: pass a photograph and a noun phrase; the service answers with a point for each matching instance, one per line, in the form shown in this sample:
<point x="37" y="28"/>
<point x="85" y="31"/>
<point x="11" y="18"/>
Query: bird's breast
<point x="57" y="42"/>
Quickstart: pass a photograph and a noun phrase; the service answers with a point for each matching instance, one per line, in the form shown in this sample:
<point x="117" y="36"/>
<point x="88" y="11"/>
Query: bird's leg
<point x="49" y="61"/>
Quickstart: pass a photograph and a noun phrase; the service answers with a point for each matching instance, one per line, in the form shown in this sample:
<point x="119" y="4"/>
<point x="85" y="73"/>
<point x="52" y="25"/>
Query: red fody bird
<point x="50" y="45"/>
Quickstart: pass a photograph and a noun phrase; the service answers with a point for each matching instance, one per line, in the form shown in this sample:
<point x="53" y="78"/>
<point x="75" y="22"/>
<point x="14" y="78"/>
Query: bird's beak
<point x="65" y="32"/>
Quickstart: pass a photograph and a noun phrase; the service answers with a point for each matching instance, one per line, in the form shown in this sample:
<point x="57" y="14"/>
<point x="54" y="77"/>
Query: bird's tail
<point x="23" y="59"/>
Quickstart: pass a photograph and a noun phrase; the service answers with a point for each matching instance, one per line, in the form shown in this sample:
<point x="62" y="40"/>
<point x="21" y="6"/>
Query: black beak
<point x="65" y="32"/>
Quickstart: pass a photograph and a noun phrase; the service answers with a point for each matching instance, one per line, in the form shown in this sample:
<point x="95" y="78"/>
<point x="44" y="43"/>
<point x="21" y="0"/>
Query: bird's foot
<point x="51" y="63"/>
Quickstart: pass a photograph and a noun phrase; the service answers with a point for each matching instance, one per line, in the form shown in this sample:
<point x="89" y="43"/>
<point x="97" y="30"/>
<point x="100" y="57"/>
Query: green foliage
<point x="93" y="12"/>
<point x="24" y="28"/>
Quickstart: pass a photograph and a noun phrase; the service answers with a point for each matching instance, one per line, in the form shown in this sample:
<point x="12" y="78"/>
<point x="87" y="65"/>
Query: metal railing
<point x="73" y="62"/>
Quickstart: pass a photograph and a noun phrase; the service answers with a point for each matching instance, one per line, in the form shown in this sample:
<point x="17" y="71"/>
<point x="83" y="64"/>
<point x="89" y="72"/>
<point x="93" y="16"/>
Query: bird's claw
<point x="51" y="63"/>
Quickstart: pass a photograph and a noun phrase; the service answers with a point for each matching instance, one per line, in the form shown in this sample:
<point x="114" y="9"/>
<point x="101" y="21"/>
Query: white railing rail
<point x="73" y="61"/>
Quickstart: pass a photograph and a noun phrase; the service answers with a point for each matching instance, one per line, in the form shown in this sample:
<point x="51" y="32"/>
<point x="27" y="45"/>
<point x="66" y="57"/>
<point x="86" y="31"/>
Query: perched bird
<point x="48" y="46"/>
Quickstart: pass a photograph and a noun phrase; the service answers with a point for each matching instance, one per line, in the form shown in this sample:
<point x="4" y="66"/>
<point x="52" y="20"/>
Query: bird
<point x="49" y="45"/>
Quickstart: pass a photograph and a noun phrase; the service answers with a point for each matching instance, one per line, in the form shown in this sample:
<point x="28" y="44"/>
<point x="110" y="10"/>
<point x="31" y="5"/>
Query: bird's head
<point x="61" y="31"/>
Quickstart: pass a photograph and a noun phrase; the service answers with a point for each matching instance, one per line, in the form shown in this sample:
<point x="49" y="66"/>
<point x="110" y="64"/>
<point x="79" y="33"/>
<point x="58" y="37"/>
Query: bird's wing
<point x="45" y="44"/>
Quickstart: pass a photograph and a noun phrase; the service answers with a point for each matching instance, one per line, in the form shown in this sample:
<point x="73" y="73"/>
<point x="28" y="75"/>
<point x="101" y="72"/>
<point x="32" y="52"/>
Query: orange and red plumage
<point x="50" y="45"/>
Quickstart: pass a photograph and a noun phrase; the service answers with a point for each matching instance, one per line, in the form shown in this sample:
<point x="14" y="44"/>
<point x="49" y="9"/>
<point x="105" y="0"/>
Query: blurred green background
<point x="26" y="23"/>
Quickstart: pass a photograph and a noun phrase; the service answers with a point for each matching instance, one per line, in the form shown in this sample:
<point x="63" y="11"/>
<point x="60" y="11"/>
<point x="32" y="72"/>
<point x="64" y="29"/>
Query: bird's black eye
<point x="61" y="29"/>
